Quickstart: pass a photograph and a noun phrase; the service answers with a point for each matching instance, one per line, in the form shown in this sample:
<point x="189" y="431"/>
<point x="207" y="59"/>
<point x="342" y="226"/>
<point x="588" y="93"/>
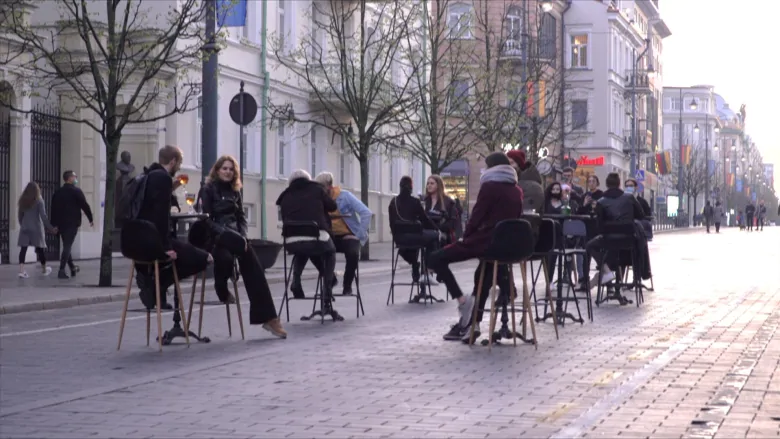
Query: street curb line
<point x="119" y="297"/>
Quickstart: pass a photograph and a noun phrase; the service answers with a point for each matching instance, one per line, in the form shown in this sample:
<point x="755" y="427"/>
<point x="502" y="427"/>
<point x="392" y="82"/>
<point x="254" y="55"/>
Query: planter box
<point x="267" y="251"/>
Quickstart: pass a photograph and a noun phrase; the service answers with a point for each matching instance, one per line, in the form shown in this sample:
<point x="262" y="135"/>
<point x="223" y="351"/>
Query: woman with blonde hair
<point x="32" y="221"/>
<point x="221" y="201"/>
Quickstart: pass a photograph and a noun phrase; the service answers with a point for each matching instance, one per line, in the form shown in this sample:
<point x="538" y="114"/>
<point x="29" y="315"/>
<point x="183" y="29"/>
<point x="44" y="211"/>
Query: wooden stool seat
<point x="156" y="264"/>
<point x="203" y="302"/>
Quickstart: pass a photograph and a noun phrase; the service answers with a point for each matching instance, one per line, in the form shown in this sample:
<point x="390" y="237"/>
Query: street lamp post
<point x="633" y="106"/>
<point x="706" y="154"/>
<point x="680" y="168"/>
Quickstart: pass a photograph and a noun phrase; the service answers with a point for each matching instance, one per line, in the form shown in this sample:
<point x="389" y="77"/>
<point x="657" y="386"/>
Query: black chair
<point x="546" y="244"/>
<point x="196" y="238"/>
<point x="512" y="243"/>
<point x="306" y="231"/>
<point x="423" y="285"/>
<point x="358" y="298"/>
<point x="618" y="241"/>
<point x="575" y="233"/>
<point x="140" y="242"/>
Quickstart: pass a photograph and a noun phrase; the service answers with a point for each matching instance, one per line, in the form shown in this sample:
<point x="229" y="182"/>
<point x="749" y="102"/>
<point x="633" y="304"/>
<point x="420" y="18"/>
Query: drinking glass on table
<point x="190" y="198"/>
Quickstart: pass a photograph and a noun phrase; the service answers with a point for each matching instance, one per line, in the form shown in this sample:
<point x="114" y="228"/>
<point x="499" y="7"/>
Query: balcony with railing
<point x="639" y="81"/>
<point x="512" y="49"/>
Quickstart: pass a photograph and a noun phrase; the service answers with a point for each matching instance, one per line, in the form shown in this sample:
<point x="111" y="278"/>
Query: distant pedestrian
<point x="708" y="215"/>
<point x="761" y="216"/>
<point x="32" y="222"/>
<point x="750" y="212"/>
<point x="67" y="203"/>
<point x="718" y="215"/>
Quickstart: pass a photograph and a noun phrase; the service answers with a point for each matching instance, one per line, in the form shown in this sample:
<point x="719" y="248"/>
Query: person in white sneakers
<point x="33" y="223"/>
<point x="615" y="210"/>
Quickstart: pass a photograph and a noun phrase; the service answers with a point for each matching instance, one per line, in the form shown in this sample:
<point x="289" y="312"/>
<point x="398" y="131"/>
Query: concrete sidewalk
<point x="48" y="292"/>
<point x="40" y="293"/>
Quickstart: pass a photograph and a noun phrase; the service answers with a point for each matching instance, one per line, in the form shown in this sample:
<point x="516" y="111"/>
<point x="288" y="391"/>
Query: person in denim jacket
<point x="349" y="225"/>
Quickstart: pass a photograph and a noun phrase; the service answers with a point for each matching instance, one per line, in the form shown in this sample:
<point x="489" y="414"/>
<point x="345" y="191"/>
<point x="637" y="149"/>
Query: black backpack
<point x="132" y="200"/>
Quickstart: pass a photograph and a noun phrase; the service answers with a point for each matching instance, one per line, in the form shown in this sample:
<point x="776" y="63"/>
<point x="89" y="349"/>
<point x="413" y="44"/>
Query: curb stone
<point x="118" y="297"/>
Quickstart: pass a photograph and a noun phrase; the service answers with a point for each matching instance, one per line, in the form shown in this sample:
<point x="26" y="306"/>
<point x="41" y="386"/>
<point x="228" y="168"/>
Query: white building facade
<point x="605" y="70"/>
<point x="696" y="109"/>
<point x="286" y="148"/>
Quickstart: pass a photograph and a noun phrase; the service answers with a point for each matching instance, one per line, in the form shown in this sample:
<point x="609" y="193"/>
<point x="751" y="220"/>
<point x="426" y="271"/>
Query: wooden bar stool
<point x="148" y="253"/>
<point x="234" y="279"/>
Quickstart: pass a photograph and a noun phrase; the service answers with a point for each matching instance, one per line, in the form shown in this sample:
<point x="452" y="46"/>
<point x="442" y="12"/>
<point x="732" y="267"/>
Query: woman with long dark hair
<point x="221" y="200"/>
<point x="440" y="207"/>
<point x="32" y="221"/>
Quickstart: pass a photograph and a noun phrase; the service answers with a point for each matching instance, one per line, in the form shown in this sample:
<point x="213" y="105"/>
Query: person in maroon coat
<point x="499" y="199"/>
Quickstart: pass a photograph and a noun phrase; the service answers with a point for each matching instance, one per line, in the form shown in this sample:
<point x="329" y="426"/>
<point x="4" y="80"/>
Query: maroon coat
<point x="496" y="202"/>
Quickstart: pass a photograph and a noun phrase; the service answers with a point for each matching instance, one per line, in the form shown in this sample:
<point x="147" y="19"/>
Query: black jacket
<point x="156" y="207"/>
<point x="750" y="210"/>
<point x="67" y="203"/>
<point x="617" y="207"/>
<point x="306" y="200"/>
<point x="587" y="209"/>
<point x="405" y="207"/>
<point x="645" y="207"/>
<point x="224" y="206"/>
<point x="443" y="213"/>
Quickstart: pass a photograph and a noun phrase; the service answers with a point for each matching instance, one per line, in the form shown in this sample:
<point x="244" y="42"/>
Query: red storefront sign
<point x="587" y="161"/>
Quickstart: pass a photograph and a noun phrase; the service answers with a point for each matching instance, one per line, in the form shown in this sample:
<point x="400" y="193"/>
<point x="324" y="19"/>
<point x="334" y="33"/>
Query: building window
<point x="459" y="21"/>
<point x="459" y="95"/>
<point x="374" y="164"/>
<point x="676" y="132"/>
<point x="579" y="115"/>
<point x="579" y="51"/>
<point x="345" y="163"/>
<point x="514" y="23"/>
<point x="282" y="27"/>
<point x="549" y="39"/>
<point x="282" y="159"/>
<point x="199" y="134"/>
<point x="675" y="104"/>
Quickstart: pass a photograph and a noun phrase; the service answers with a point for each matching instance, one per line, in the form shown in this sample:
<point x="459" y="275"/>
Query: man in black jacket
<point x="617" y="213"/>
<point x="306" y="200"/>
<point x="750" y="211"/>
<point x="67" y="203"/>
<point x="156" y="208"/>
<point x="405" y="207"/>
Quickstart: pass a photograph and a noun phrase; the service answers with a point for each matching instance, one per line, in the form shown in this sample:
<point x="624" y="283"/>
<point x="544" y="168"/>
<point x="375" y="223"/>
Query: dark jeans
<point x="707" y="224"/>
<point x="261" y="304"/>
<point x="38" y="251"/>
<point x="322" y="255"/>
<point x="760" y="223"/>
<point x="440" y="260"/>
<point x="503" y="285"/>
<point x="750" y="222"/>
<point x="351" y="250"/>
<point x="428" y="239"/>
<point x="190" y="261"/>
<point x="717" y="227"/>
<point x="68" y="236"/>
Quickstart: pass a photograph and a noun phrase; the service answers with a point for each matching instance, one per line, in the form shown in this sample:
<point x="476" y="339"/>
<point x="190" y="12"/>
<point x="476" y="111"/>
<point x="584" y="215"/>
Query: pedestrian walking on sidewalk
<point x="708" y="214"/>
<point x="67" y="203"/>
<point x="32" y="221"/>
<point x="718" y="215"/>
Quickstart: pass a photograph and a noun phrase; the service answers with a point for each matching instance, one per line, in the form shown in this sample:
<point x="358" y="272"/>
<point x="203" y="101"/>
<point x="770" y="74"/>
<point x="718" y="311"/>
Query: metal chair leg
<point x="527" y="304"/>
<point x="181" y="305"/>
<point x="157" y="297"/>
<point x="479" y="296"/>
<point x="493" y="307"/>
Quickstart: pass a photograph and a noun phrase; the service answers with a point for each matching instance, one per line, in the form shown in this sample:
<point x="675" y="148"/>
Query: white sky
<point x="732" y="46"/>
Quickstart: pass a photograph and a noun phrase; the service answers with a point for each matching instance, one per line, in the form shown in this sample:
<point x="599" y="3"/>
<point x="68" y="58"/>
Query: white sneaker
<point x="47" y="271"/>
<point x="465" y="309"/>
<point x="607" y="277"/>
<point x="23" y="275"/>
<point x="467" y="336"/>
<point x="430" y="280"/>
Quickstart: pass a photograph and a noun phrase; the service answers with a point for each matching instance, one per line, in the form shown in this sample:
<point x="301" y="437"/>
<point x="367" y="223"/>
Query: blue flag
<point x="231" y="13"/>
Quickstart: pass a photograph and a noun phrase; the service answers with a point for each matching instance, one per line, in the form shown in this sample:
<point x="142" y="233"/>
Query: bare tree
<point x="517" y="96"/>
<point x="354" y="58"/>
<point x="695" y="175"/>
<point x="439" y="130"/>
<point x="111" y="63"/>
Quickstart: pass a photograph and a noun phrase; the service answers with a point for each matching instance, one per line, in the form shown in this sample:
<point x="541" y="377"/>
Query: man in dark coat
<point x="499" y="199"/>
<point x="67" y="203"/>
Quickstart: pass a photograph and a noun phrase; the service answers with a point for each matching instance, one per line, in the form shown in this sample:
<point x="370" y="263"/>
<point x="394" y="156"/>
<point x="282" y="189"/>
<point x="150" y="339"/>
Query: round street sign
<point x="249" y="112"/>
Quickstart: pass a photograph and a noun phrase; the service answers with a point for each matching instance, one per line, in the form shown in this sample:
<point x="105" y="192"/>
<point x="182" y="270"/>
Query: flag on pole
<point x="231" y="13"/>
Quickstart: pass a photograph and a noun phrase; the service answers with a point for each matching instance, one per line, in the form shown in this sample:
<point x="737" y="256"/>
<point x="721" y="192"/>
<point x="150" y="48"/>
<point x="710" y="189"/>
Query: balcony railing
<point x="639" y="80"/>
<point x="512" y="48"/>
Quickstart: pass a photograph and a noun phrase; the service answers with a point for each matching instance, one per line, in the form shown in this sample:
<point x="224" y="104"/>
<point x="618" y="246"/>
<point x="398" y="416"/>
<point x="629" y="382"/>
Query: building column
<point x="21" y="172"/>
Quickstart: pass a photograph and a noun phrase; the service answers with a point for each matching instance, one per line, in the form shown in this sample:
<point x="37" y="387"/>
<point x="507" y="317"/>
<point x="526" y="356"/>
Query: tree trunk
<point x="363" y="161"/>
<point x="106" y="249"/>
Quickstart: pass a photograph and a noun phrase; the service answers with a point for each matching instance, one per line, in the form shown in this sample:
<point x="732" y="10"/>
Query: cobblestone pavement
<point x="697" y="359"/>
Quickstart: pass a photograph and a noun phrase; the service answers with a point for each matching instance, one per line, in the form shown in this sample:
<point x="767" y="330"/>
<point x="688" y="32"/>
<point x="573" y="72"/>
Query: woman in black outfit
<point x="440" y="207"/>
<point x="221" y="200"/>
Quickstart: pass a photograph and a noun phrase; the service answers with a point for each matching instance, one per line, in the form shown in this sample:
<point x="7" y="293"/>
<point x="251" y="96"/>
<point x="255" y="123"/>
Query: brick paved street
<point x="697" y="359"/>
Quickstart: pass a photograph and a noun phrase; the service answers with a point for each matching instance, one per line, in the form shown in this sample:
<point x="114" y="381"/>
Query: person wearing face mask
<point x="553" y="202"/>
<point x="631" y="188"/>
<point x="156" y="209"/>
